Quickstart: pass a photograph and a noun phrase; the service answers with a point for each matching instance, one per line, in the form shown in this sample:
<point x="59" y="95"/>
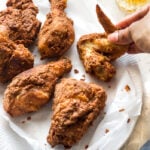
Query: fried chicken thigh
<point x="76" y="105"/>
<point x="57" y="34"/>
<point x="30" y="90"/>
<point x="20" y="20"/>
<point x="14" y="58"/>
<point x="97" y="52"/>
<point x="18" y="28"/>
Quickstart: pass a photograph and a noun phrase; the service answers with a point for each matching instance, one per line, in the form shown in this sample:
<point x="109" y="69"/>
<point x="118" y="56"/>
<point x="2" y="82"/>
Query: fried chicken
<point x="14" y="58"/>
<point x="31" y="89"/>
<point x="76" y="105"/>
<point x="20" y="20"/>
<point x="57" y="34"/>
<point x="18" y="25"/>
<point x="97" y="52"/>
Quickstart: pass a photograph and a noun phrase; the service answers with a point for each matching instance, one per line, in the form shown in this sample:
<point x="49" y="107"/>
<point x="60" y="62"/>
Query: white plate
<point x="122" y="109"/>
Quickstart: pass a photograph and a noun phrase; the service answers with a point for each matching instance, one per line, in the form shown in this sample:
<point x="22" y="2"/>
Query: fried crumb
<point x="76" y="71"/>
<point x="106" y="130"/>
<point x="104" y="113"/>
<point x="109" y="86"/>
<point x="128" y="121"/>
<point x="82" y="79"/>
<point x="28" y="118"/>
<point x="23" y="121"/>
<point x="67" y="147"/>
<point x="121" y="110"/>
<point x="86" y="146"/>
<point x="127" y="88"/>
<point x="83" y="75"/>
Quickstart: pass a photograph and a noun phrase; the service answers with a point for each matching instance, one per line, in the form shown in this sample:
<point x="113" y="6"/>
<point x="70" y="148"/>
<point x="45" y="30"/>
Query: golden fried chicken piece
<point x="97" y="52"/>
<point x="30" y="90"/>
<point x="20" y="20"/>
<point x="76" y="105"/>
<point x="57" y="34"/>
<point x="13" y="58"/>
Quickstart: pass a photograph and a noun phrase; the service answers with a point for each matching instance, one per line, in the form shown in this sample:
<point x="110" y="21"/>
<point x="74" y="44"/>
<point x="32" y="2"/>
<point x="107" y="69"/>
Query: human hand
<point x="135" y="31"/>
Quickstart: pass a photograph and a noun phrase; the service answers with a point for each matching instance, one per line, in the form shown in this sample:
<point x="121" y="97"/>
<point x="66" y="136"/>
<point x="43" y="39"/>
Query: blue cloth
<point x="146" y="146"/>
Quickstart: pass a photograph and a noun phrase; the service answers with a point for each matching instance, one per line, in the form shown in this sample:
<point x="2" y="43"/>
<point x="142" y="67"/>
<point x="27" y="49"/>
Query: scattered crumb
<point x="28" y="118"/>
<point x="107" y="130"/>
<point x="91" y="124"/>
<point x="120" y="110"/>
<point x="104" y="113"/>
<point x="82" y="79"/>
<point x="109" y="86"/>
<point x="23" y="121"/>
<point x="67" y="147"/>
<point x="127" y="88"/>
<point x="83" y="75"/>
<point x="35" y="55"/>
<point x="45" y="144"/>
<point x="86" y="146"/>
<point x="76" y="71"/>
<point x="128" y="121"/>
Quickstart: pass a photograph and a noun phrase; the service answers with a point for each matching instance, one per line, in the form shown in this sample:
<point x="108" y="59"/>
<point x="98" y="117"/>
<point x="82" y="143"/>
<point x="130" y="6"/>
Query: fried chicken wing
<point x="30" y="90"/>
<point x="14" y="58"/>
<point x="20" y="20"/>
<point x="57" y="34"/>
<point x="97" y="52"/>
<point x="76" y="105"/>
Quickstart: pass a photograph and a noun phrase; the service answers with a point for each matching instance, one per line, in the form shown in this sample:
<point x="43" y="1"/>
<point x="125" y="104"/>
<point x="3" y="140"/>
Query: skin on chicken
<point x="76" y="105"/>
<point x="31" y="89"/>
<point x="97" y="52"/>
<point x="14" y="58"/>
<point x="20" y="20"/>
<point x="57" y="34"/>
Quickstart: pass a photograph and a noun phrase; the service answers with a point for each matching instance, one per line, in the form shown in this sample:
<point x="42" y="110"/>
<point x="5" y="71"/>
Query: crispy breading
<point x="14" y="58"/>
<point x="20" y="19"/>
<point x="105" y="21"/>
<point x="97" y="52"/>
<point x="57" y="34"/>
<point x="76" y="105"/>
<point x="31" y="89"/>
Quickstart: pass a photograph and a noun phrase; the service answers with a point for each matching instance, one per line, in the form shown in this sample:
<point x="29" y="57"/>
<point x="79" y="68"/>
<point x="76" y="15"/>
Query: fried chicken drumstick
<point x="31" y="89"/>
<point x="76" y="105"/>
<point x="20" y="20"/>
<point x="97" y="52"/>
<point x="57" y="33"/>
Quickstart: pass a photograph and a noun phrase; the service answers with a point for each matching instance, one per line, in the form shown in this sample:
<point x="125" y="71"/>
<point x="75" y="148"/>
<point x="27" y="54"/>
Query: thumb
<point x="122" y="37"/>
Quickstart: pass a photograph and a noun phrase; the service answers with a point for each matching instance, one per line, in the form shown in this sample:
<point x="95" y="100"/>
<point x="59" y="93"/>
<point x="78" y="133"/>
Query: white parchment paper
<point x="113" y="127"/>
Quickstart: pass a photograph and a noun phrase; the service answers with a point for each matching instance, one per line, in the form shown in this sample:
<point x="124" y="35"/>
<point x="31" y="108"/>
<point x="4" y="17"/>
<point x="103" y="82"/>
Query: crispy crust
<point x="20" y="19"/>
<point x="30" y="90"/>
<point x="57" y="34"/>
<point x="13" y="59"/>
<point x="108" y="26"/>
<point x="76" y="105"/>
<point x="97" y="52"/>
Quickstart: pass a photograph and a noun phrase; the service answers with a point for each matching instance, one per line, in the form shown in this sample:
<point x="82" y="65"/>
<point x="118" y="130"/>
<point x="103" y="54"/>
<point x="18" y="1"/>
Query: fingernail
<point x="113" y="37"/>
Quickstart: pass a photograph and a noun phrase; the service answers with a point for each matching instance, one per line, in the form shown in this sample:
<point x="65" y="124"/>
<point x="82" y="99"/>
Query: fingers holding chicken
<point x="97" y="52"/>
<point x="20" y="20"/>
<point x="30" y="90"/>
<point x="76" y="105"/>
<point x="57" y="34"/>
